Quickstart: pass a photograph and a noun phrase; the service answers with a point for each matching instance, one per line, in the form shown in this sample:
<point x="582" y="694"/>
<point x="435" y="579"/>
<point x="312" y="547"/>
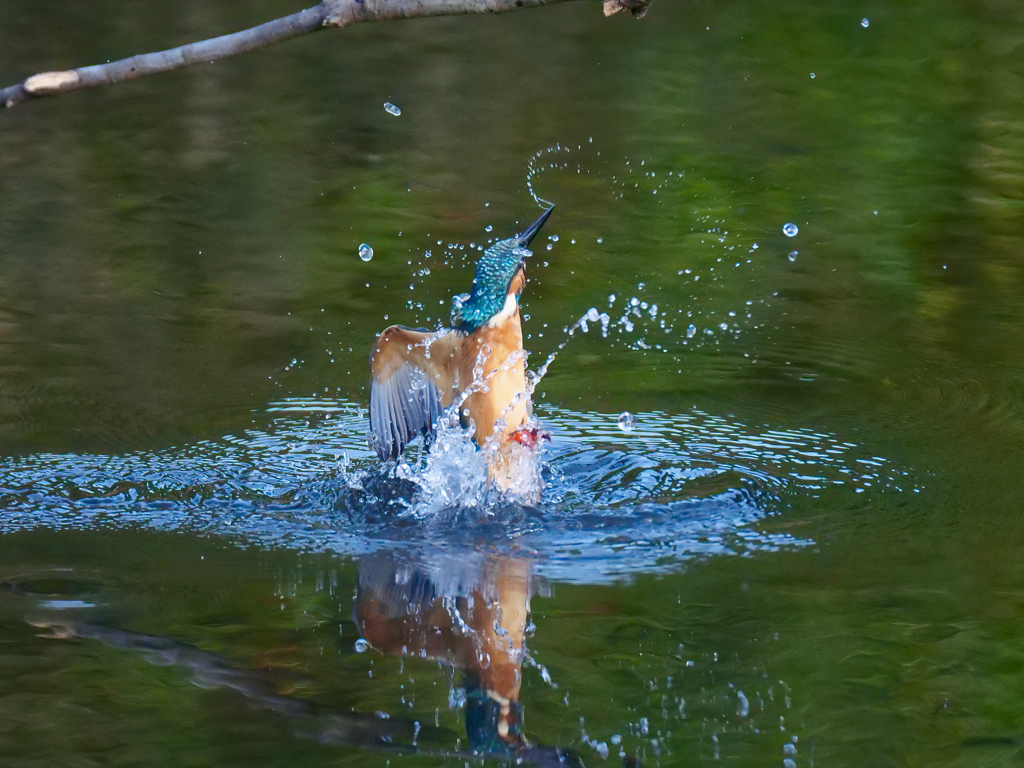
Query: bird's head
<point x="498" y="280"/>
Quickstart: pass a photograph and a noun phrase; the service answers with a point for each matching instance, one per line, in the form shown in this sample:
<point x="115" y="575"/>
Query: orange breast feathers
<point x="499" y="399"/>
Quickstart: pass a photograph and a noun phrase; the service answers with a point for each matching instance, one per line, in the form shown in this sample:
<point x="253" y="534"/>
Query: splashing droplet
<point x="865" y="23"/>
<point x="792" y="255"/>
<point x="789" y="229"/>
<point x="742" y="705"/>
<point x="627" y="421"/>
<point x="365" y="252"/>
<point x="691" y="331"/>
<point x="362" y="646"/>
<point x="391" y="109"/>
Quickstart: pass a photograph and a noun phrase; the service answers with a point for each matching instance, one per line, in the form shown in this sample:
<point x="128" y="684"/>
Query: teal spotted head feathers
<point x="494" y="275"/>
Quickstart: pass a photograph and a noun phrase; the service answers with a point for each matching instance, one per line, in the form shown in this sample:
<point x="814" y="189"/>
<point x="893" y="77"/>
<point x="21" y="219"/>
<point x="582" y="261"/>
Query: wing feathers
<point x="412" y="380"/>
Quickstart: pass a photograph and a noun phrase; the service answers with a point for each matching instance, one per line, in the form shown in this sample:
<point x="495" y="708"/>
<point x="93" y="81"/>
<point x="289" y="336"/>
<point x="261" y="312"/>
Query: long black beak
<point x="531" y="231"/>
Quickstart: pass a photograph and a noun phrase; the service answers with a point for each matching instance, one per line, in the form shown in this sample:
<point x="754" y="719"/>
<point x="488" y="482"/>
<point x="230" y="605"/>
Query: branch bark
<point x="330" y="13"/>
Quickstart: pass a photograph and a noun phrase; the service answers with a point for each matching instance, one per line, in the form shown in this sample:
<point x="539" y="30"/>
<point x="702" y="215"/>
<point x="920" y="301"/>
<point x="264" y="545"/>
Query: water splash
<point x="582" y="324"/>
<point x="651" y="323"/>
<point x="626" y="421"/>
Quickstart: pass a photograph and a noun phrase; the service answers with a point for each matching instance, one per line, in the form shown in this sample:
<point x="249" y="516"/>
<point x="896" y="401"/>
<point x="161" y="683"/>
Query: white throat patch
<point x="507" y="311"/>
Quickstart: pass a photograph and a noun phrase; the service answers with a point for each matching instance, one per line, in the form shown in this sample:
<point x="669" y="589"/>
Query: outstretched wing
<point x="412" y="379"/>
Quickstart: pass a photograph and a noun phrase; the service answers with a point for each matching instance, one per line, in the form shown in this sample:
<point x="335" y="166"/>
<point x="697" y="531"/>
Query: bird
<point x="477" y="366"/>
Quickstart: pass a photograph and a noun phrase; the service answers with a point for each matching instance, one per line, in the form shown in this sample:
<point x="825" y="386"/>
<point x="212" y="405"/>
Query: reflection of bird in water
<point x="472" y="616"/>
<point x="478" y="365"/>
<point x="471" y="612"/>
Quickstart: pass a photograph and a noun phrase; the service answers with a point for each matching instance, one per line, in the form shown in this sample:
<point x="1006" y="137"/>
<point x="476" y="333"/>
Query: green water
<point x="819" y="507"/>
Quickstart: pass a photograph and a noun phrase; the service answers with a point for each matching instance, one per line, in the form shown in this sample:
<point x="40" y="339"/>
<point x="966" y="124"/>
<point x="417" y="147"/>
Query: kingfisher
<point x="476" y="366"/>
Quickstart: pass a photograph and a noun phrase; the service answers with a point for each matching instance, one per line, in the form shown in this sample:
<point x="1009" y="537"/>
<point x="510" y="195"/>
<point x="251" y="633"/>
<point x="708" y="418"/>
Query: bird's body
<point x="478" y="365"/>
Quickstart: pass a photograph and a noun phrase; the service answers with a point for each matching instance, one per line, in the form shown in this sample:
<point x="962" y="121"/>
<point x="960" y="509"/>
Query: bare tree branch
<point x="52" y="83"/>
<point x="637" y="7"/>
<point x="330" y="13"/>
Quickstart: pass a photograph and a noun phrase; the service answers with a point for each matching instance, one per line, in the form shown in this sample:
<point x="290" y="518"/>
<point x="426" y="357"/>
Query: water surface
<point x="807" y="549"/>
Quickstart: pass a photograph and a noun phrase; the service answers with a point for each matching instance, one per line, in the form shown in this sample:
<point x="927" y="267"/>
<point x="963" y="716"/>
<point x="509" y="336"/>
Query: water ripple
<point x="674" y="487"/>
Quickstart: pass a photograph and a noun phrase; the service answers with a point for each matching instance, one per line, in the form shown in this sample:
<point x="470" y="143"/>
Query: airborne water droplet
<point x="864" y="23"/>
<point x="365" y="252"/>
<point x="792" y="255"/>
<point x="691" y="331"/>
<point x="627" y="421"/>
<point x="391" y="109"/>
<point x="362" y="646"/>
<point x="743" y="705"/>
<point x="789" y="229"/>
